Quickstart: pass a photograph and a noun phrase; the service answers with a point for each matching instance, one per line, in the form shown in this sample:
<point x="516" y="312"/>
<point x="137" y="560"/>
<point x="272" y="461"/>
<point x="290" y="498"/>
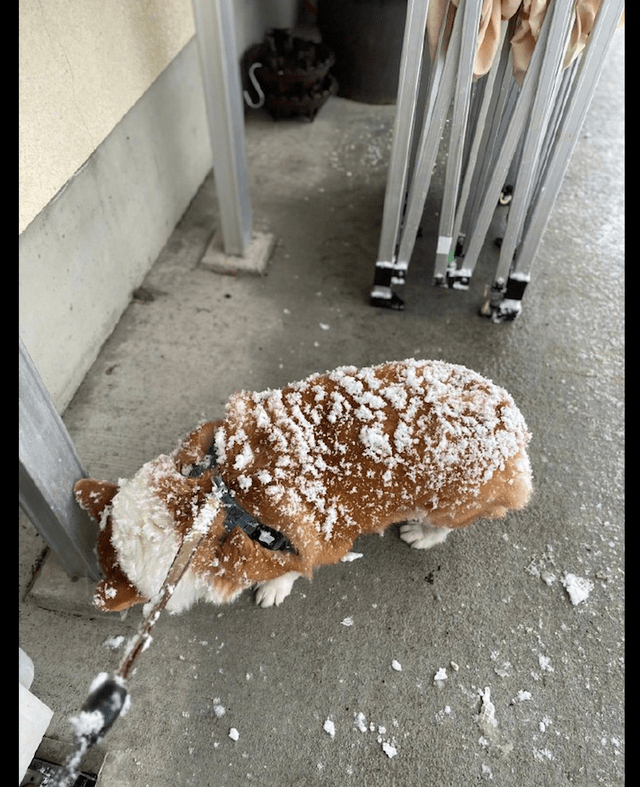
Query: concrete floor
<point x="489" y="606"/>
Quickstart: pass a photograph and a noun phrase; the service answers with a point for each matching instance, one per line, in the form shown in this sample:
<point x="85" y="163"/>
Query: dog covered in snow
<point x="290" y="478"/>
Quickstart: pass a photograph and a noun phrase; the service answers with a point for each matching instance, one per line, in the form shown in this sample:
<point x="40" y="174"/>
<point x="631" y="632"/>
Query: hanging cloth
<point x="529" y="22"/>
<point x="493" y="13"/>
<point x="528" y="17"/>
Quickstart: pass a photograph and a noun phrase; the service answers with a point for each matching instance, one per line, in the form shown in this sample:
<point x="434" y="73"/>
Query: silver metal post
<point x="48" y="469"/>
<point x="216" y="36"/>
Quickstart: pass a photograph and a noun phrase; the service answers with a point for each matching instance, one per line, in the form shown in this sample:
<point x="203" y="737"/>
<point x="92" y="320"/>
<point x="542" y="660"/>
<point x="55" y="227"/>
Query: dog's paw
<point x="420" y="535"/>
<point x="274" y="591"/>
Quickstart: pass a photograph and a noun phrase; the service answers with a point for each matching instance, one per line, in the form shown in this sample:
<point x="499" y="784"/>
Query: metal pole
<point x="48" y="469"/>
<point x="508" y="144"/>
<point x="395" y="194"/>
<point x="586" y="80"/>
<point x="429" y="144"/>
<point x="215" y="28"/>
<point x="459" y="121"/>
<point x="542" y="103"/>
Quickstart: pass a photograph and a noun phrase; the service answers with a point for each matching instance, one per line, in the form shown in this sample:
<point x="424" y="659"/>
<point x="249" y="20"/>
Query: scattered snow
<point x="577" y="588"/>
<point x="486" y="719"/>
<point x="330" y="728"/>
<point x="542" y="725"/>
<point x="502" y="670"/>
<point x="360" y="721"/>
<point x="545" y="663"/>
<point x="114" y="642"/>
<point x="440" y="676"/>
<point x="87" y="723"/>
<point x="389" y="749"/>
<point x="486" y="771"/>
<point x="351" y="556"/>
<point x="441" y="714"/>
<point x="244" y="457"/>
<point x="487" y="715"/>
<point x="375" y="441"/>
<point x="244" y="482"/>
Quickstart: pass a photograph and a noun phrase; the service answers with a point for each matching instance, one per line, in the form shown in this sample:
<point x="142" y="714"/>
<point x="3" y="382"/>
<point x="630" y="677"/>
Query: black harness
<point x="236" y="516"/>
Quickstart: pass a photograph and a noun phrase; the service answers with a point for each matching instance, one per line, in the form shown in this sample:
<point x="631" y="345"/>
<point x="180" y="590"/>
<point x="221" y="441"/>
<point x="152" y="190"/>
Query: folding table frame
<point x="508" y="143"/>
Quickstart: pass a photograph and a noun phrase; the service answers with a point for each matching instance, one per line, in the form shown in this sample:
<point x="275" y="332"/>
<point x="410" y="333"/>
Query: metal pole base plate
<point x="254" y="261"/>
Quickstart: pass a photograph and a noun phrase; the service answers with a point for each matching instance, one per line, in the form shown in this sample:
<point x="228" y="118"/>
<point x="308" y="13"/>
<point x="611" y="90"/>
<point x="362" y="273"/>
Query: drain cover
<point x="44" y="774"/>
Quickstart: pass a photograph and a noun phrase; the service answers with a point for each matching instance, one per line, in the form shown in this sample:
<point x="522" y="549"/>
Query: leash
<point x="108" y="695"/>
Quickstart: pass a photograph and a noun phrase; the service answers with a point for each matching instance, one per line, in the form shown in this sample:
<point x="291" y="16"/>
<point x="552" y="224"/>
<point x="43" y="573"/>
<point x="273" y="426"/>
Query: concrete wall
<point x="113" y="146"/>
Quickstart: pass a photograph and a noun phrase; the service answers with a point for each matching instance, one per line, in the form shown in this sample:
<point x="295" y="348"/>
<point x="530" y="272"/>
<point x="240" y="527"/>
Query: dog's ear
<point x="94" y="496"/>
<point x="195" y="445"/>
<point x="116" y="594"/>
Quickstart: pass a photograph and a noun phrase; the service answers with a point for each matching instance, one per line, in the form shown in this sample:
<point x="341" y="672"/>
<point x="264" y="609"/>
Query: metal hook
<point x="257" y="87"/>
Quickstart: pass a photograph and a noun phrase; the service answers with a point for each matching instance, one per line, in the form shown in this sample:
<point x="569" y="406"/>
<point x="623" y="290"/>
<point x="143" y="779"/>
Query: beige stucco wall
<point x="83" y="65"/>
<point x="113" y="146"/>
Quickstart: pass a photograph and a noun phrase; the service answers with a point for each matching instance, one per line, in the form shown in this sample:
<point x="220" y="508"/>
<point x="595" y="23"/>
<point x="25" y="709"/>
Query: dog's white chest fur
<point x="146" y="541"/>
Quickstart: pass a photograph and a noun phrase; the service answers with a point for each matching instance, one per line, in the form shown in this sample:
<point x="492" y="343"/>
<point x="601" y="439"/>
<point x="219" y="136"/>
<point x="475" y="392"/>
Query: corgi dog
<point x="291" y="477"/>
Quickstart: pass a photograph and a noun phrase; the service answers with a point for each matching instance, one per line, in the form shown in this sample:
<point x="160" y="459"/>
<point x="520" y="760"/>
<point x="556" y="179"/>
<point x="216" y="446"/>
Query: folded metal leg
<point x="429" y="144"/>
<point x="548" y="85"/>
<point x="476" y="140"/>
<point x="556" y="22"/>
<point x="459" y="124"/>
<point x="503" y="134"/>
<point x="500" y="92"/>
<point x="387" y="272"/>
<point x="588" y="72"/>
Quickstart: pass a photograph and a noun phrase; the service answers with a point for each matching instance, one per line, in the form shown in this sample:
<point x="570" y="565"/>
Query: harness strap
<point x="236" y="516"/>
